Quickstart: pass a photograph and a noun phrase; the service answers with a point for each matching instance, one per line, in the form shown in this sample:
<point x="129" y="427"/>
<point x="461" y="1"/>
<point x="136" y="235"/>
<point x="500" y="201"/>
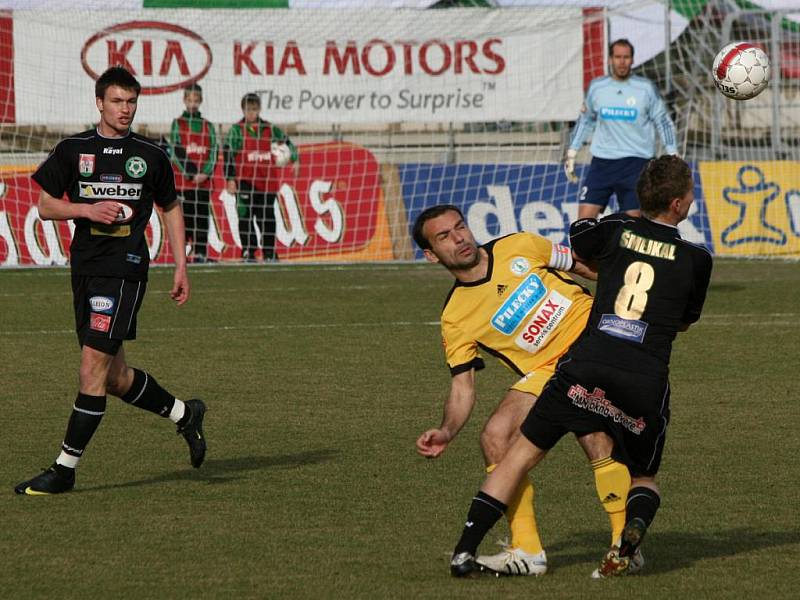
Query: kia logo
<point x="163" y="56"/>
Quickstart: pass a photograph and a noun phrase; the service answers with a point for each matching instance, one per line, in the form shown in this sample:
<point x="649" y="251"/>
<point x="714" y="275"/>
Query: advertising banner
<point x="330" y="207"/>
<point x="314" y="66"/>
<point x="753" y="207"/>
<point x="501" y="199"/>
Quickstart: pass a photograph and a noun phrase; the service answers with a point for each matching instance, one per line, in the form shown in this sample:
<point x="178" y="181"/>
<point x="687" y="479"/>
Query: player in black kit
<point x="112" y="178"/>
<point x="651" y="284"/>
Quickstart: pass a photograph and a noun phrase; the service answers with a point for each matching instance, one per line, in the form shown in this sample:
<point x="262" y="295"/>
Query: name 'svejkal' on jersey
<point x="642" y="245"/>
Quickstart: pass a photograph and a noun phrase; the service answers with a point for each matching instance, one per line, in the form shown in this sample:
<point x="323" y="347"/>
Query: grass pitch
<point x="318" y="381"/>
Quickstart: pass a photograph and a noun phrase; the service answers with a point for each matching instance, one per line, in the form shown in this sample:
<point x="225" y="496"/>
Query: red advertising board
<point x="330" y="207"/>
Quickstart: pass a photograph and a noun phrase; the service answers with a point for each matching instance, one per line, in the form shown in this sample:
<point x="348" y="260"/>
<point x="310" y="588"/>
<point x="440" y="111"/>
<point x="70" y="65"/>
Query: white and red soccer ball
<point x="741" y="70"/>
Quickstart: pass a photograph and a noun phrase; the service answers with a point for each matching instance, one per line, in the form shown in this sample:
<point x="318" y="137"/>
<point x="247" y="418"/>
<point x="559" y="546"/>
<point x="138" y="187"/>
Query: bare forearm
<point x="459" y="404"/>
<point x="173" y="219"/>
<point x="60" y="210"/>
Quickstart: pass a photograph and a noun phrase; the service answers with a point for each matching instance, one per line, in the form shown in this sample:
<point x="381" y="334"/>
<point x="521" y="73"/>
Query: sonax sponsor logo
<point x="521" y="301"/>
<point x="543" y="322"/>
<point x="101" y="304"/>
<point x="95" y="190"/>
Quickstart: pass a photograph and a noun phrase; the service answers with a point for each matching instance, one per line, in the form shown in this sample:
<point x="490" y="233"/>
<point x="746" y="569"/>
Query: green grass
<point x="319" y="379"/>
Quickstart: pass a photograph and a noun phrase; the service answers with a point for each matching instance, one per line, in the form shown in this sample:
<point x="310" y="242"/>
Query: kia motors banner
<point x="341" y="66"/>
<point x="330" y="207"/>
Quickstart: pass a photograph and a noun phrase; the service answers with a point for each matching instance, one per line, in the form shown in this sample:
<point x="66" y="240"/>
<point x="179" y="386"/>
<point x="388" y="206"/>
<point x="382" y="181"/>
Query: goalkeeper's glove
<point x="569" y="165"/>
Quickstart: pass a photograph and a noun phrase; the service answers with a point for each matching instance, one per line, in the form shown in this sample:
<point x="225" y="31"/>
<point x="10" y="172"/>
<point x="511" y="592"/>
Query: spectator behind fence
<point x="193" y="151"/>
<point x="254" y="151"/>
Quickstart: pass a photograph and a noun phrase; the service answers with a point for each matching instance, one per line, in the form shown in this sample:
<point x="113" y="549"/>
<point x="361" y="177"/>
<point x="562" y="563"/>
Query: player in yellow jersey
<point x="513" y="299"/>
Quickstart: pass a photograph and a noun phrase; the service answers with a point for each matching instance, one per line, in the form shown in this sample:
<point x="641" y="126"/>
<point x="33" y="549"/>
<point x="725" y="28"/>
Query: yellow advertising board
<point x="753" y="207"/>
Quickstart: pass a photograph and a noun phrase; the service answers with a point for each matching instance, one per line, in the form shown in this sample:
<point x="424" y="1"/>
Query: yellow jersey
<point x="527" y="311"/>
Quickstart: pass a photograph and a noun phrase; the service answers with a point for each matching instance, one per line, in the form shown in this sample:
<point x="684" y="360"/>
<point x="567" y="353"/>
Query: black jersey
<point x="130" y="170"/>
<point x="650" y="283"/>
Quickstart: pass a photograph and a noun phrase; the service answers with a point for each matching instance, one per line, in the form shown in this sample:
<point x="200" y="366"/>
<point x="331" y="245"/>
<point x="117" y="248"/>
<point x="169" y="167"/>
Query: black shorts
<point x="584" y="397"/>
<point x="105" y="310"/>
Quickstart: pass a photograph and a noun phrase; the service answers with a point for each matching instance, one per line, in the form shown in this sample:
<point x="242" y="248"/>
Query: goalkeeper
<point x="255" y="150"/>
<point x="624" y="111"/>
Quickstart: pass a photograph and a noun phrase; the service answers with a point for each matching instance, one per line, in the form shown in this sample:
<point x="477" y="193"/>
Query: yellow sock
<point x="612" y="481"/>
<point x="522" y="519"/>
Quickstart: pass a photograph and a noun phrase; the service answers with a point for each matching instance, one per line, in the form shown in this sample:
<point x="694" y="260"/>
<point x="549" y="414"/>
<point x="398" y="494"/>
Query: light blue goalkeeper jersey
<point x="624" y="116"/>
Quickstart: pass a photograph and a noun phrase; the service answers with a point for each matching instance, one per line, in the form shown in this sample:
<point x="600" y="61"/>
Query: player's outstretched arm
<point x="457" y="410"/>
<point x="173" y="219"/>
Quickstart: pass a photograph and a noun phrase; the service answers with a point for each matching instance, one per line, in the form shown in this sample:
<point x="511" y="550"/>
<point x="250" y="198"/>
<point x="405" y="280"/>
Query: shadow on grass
<point x="727" y="287"/>
<point x="677" y="550"/>
<point x="217" y="471"/>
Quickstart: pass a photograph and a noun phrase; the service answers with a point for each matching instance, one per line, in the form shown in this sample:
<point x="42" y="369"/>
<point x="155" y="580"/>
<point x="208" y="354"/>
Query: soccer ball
<point x="741" y="71"/>
<point x="281" y="154"/>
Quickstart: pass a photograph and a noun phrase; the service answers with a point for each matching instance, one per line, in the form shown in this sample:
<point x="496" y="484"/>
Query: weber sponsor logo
<point x="521" y="301"/>
<point x="543" y="322"/>
<point x="94" y="190"/>
<point x="101" y="304"/>
<point x="626" y="329"/>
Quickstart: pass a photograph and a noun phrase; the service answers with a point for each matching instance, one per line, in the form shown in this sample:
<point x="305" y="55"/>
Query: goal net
<point x="398" y="105"/>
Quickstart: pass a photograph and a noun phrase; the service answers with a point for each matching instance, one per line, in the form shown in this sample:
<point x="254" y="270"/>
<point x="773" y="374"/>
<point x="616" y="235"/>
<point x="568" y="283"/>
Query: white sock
<point x="67" y="460"/>
<point x="177" y="412"/>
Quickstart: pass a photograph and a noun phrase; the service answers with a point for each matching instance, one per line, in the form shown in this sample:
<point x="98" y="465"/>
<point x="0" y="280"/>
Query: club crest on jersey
<point x="86" y="164"/>
<point x="520" y="266"/>
<point x="136" y="167"/>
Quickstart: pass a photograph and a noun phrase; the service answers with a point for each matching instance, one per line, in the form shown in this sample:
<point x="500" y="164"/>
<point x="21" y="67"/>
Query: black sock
<point x="86" y="416"/>
<point x="483" y="513"/>
<point x="147" y="394"/>
<point x="643" y="504"/>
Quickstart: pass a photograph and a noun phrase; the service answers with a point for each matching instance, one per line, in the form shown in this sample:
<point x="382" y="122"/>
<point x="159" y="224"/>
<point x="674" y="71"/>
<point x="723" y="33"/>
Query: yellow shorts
<point x="533" y="382"/>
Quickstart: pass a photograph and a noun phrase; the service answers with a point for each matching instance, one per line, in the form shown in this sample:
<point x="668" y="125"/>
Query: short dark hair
<point x="425" y="216"/>
<point x="620" y="42"/>
<point x="119" y="76"/>
<point x="250" y="98"/>
<point x="193" y="87"/>
<point x="663" y="179"/>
